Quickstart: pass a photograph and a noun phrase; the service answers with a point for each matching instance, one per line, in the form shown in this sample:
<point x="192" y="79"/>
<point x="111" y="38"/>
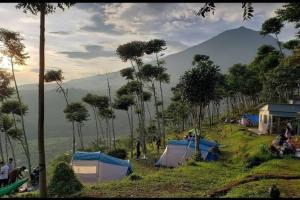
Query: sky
<point x="82" y="41"/>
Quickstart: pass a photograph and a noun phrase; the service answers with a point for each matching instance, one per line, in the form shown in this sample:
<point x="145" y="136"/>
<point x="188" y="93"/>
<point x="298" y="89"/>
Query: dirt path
<point x="223" y="191"/>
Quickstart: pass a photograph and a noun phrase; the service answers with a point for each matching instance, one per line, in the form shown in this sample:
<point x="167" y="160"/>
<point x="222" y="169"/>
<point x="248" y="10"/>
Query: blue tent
<point x="253" y="118"/>
<point x="102" y="157"/>
<point x="98" y="166"/>
<point x="177" y="150"/>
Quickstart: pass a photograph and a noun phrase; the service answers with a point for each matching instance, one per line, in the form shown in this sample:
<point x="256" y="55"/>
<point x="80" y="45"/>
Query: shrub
<point x="66" y="157"/>
<point x="64" y="181"/>
<point x="135" y="177"/>
<point x="118" y="153"/>
<point x="264" y="155"/>
<point x="192" y="163"/>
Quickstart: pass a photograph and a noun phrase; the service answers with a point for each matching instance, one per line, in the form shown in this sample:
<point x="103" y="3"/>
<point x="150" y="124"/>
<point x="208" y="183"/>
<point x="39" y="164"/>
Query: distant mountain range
<point x="229" y="47"/>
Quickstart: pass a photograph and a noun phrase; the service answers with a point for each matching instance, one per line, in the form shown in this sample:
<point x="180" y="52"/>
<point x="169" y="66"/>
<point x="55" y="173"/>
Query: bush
<point x="135" y="177"/>
<point x="118" y="153"/>
<point x="64" y="181"/>
<point x="264" y="155"/>
<point x="192" y="163"/>
<point x="66" y="157"/>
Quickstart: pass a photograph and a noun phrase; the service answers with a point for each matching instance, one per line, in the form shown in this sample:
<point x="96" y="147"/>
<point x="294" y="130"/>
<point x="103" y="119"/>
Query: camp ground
<point x="178" y="151"/>
<point x="93" y="167"/>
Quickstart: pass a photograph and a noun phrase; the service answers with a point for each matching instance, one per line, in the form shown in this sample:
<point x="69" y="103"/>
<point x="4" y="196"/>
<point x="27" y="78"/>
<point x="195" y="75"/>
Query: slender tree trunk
<point x="149" y="112"/>
<point x="112" y="119"/>
<point x="41" y="146"/>
<point x="107" y="133"/>
<point x="1" y="149"/>
<point x="131" y="135"/>
<point x="142" y="115"/>
<point x="6" y="147"/>
<point x="74" y="142"/>
<point x="12" y="150"/>
<point x="157" y="111"/>
<point x="279" y="45"/>
<point x="81" y="136"/>
<point x="95" y="115"/>
<point x="26" y="150"/>
<point x="101" y="128"/>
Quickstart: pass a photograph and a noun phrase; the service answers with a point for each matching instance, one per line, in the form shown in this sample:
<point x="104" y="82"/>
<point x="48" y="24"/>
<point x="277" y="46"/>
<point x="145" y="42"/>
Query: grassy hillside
<point x="200" y="179"/>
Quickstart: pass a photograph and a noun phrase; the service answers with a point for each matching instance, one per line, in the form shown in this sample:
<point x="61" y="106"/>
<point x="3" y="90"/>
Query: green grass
<point x="200" y="178"/>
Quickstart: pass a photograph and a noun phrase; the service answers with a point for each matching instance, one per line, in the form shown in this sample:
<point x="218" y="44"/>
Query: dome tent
<point x="92" y="167"/>
<point x="177" y="151"/>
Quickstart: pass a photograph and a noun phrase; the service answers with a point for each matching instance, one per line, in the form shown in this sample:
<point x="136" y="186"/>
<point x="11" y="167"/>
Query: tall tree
<point x="5" y="92"/>
<point x="14" y="49"/>
<point x="91" y="100"/>
<point x="156" y="47"/>
<point x="43" y="8"/>
<point x="7" y="123"/>
<point x="273" y="26"/>
<point x="12" y="107"/>
<point x="112" y="111"/>
<point x="57" y="77"/>
<point x="199" y="85"/>
<point x="133" y="51"/>
<point x="76" y="112"/>
<point x="123" y="102"/>
<point x="149" y="73"/>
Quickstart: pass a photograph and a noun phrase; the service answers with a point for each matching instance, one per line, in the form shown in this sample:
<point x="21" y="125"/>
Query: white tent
<point x="178" y="151"/>
<point x="93" y="167"/>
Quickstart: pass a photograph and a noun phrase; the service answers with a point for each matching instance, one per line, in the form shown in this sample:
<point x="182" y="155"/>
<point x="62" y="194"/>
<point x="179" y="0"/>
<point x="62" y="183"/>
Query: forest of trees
<point x="202" y="94"/>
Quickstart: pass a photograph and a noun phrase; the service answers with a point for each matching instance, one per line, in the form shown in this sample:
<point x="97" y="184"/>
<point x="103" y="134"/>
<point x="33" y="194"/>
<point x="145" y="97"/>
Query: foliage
<point x="54" y="75"/>
<point x="5" y="90"/>
<point x="76" y="112"/>
<point x="35" y="8"/>
<point x="199" y="82"/>
<point x="272" y="26"/>
<point x="12" y="106"/>
<point x="210" y="7"/>
<point x="131" y="50"/>
<point x="13" y="46"/>
<point x="64" y="181"/>
<point x="124" y="102"/>
<point x="118" y="153"/>
<point x="264" y="156"/>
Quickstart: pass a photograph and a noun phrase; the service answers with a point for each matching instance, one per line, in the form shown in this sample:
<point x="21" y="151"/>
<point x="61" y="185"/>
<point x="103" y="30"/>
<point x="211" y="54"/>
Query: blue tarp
<point x="102" y="157"/>
<point x="205" y="147"/>
<point x="253" y="118"/>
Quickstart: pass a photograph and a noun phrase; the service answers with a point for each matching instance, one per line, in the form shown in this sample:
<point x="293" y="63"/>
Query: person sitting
<point x="16" y="174"/>
<point x="3" y="174"/>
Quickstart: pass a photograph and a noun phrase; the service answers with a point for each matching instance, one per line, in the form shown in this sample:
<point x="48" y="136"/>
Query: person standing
<point x="138" y="150"/>
<point x="158" y="142"/>
<point x="10" y="165"/>
<point x="3" y="174"/>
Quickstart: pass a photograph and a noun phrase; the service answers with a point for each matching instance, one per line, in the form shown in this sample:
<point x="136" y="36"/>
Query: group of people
<point x="284" y="142"/>
<point x="9" y="173"/>
<point x="190" y="136"/>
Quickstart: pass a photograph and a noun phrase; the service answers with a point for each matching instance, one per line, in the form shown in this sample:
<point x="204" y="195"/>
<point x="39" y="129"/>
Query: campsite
<point x="149" y="100"/>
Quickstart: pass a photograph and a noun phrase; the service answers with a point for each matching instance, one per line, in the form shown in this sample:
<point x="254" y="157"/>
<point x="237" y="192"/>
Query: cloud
<point x="91" y="51"/>
<point x="60" y="32"/>
<point x="37" y="70"/>
<point x="99" y="26"/>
